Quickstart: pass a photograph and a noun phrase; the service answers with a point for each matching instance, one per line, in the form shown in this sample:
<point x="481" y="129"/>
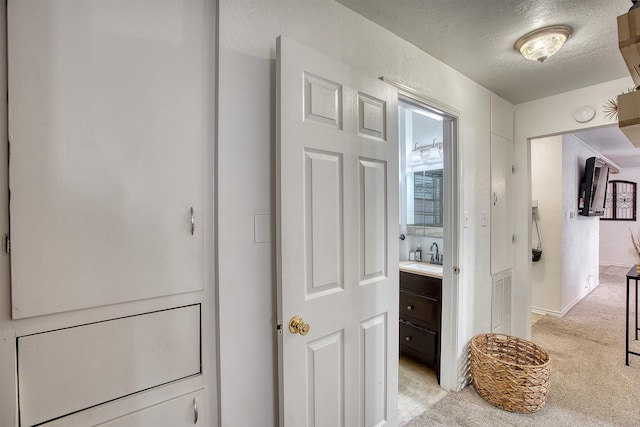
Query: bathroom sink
<point x="424" y="268"/>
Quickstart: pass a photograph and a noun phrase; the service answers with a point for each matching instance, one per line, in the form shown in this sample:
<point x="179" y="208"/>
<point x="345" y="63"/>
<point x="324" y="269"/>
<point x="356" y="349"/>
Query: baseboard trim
<point x="577" y="300"/>
<point x="614" y="264"/>
<point x="544" y="311"/>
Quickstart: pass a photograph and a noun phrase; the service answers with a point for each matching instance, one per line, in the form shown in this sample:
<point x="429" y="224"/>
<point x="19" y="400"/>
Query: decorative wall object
<point x="620" y="202"/>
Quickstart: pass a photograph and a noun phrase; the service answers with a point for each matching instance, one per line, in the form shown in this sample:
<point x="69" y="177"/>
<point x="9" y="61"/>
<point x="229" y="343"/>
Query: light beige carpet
<point x="590" y="384"/>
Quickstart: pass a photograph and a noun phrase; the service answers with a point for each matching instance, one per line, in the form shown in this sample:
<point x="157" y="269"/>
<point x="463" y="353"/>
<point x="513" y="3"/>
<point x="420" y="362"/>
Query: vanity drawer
<point x="421" y="310"/>
<point x="425" y="285"/>
<point x="418" y="343"/>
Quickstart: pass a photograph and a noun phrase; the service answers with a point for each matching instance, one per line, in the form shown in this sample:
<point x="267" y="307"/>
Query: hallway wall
<point x="568" y="268"/>
<point x="580" y="245"/>
<point x="546" y="173"/>
<point x="248" y="30"/>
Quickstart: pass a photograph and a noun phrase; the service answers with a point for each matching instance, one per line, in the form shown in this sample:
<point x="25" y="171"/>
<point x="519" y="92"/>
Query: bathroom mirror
<point x="421" y="165"/>
<point x="425" y="216"/>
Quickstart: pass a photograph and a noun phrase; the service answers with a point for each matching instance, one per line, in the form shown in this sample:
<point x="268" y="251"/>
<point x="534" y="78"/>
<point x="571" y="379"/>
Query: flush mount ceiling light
<point x="540" y="44"/>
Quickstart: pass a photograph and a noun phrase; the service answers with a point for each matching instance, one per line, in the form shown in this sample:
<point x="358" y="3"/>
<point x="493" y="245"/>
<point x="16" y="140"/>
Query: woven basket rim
<point x="506" y="362"/>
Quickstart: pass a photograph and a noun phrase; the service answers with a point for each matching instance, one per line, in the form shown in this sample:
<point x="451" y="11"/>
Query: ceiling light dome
<point x="540" y="44"/>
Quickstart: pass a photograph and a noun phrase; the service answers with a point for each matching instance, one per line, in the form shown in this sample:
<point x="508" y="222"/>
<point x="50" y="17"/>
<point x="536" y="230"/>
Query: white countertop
<point x="422" y="268"/>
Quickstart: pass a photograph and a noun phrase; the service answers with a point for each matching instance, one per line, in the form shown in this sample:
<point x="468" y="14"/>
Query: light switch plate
<point x="484" y="218"/>
<point x="262" y="228"/>
<point x="467" y="220"/>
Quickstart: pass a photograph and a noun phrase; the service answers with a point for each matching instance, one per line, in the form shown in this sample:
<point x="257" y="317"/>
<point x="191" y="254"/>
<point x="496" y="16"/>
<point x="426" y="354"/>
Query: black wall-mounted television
<point x="593" y="189"/>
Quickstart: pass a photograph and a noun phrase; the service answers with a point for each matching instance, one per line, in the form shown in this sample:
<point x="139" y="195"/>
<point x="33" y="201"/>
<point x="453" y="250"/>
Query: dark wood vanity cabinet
<point x="420" y="317"/>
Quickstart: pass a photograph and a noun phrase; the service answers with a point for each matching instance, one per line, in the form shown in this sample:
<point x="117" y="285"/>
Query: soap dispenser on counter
<point x="418" y="253"/>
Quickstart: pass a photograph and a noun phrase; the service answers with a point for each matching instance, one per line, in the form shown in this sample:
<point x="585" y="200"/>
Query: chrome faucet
<point x="436" y="258"/>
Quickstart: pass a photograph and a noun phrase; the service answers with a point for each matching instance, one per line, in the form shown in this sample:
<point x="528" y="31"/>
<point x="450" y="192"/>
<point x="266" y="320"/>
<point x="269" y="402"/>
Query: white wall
<point x="580" y="243"/>
<point x="246" y="271"/>
<point x="546" y="176"/>
<point x="615" y="241"/>
<point x="569" y="266"/>
<point x="540" y="118"/>
<point x="248" y="29"/>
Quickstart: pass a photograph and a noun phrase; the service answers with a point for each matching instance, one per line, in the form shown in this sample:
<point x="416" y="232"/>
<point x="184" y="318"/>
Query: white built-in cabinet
<point x="502" y="223"/>
<point x="67" y="370"/>
<point x="110" y="125"/>
<point x="183" y="411"/>
<point x="501" y="186"/>
<point x="106" y="139"/>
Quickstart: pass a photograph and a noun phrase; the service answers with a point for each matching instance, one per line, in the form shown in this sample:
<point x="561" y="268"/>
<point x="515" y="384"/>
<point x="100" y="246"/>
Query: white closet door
<point x="106" y="140"/>
<point x="501" y="204"/>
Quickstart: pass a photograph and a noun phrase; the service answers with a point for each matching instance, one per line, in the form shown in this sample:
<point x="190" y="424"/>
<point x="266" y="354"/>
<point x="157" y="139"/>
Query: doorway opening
<point x="427" y="253"/>
<point x="576" y="246"/>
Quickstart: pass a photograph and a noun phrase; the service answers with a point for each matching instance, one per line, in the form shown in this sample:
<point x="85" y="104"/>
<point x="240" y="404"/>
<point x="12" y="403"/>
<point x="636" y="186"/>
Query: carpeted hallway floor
<point x="590" y="384"/>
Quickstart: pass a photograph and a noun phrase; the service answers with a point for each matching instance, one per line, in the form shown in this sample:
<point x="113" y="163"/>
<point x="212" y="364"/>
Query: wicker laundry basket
<point x="509" y="372"/>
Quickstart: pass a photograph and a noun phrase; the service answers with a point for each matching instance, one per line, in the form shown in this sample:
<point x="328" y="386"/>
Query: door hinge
<point x="6" y="244"/>
<point x="513" y="238"/>
<point x="279" y="327"/>
<point x="513" y="169"/>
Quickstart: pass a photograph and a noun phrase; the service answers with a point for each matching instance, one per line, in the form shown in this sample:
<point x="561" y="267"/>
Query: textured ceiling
<point x="612" y="144"/>
<point x="476" y="38"/>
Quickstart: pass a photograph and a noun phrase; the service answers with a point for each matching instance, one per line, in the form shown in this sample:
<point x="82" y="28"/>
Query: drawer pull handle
<point x="410" y="307"/>
<point x="195" y="411"/>
<point x="193" y="221"/>
<point x="409" y="338"/>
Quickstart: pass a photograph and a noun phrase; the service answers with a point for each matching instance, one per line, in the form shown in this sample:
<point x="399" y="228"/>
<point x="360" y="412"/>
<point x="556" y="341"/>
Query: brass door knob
<point x="298" y="326"/>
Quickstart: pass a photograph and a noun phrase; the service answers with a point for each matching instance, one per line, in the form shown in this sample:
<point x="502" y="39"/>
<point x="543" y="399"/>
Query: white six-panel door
<point x="337" y="242"/>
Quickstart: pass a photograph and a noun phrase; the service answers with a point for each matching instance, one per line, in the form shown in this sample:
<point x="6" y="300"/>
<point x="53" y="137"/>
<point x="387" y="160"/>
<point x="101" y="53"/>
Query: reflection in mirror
<point x="427" y="191"/>
<point x="422" y="135"/>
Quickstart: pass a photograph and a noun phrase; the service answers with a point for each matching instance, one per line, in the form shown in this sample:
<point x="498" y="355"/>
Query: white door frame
<point x="449" y="365"/>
